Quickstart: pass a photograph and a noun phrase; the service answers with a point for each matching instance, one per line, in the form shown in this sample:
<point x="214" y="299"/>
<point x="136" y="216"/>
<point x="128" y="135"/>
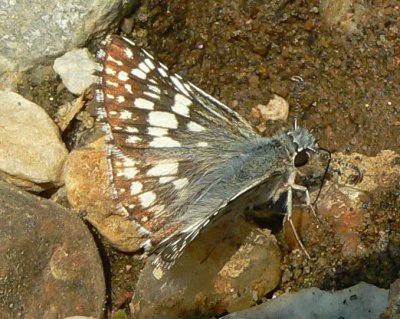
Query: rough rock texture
<point x="88" y="189"/>
<point x="67" y="112"/>
<point x="31" y="150"/>
<point x="357" y="237"/>
<point x="341" y="202"/>
<point x="240" y="268"/>
<point x="276" y="109"/>
<point x="360" y="301"/>
<point x="393" y="309"/>
<point x="76" y="70"/>
<point x="30" y="37"/>
<point x="227" y="268"/>
<point x="50" y="264"/>
<point x="349" y="16"/>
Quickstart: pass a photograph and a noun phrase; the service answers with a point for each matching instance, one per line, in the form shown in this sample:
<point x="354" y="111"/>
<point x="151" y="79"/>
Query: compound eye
<point x="301" y="158"/>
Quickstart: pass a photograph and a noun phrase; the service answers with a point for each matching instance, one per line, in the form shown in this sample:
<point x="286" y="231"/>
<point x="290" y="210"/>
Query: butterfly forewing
<point x="168" y="144"/>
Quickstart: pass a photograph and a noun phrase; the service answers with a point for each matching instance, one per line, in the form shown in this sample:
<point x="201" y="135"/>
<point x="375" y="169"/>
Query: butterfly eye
<point x="301" y="158"/>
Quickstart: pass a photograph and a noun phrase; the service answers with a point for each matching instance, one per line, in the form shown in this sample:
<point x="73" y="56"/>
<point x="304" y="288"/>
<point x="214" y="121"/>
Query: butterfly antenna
<point x="359" y="173"/>
<point x="324" y="153"/>
<point x="298" y="81"/>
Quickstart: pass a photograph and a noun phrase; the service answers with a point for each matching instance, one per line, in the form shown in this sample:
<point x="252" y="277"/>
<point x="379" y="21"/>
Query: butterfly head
<point x="305" y="145"/>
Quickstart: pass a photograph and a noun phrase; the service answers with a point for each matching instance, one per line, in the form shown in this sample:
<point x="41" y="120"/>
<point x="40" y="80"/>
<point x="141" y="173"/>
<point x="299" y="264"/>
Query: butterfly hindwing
<point x="168" y="146"/>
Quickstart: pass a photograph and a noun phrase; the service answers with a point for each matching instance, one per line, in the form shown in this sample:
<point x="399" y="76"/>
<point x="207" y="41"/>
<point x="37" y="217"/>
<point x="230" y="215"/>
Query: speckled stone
<point x="341" y="203"/>
<point x="227" y="268"/>
<point x="50" y="264"/>
<point x="88" y="189"/>
<point x="35" y="36"/>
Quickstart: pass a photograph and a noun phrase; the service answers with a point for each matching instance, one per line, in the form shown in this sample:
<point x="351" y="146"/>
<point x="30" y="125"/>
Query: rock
<point x="360" y="301"/>
<point x="220" y="271"/>
<point x="31" y="153"/>
<point x="276" y="109"/>
<point x="348" y="15"/>
<point x="76" y="70"/>
<point x="242" y="268"/>
<point x="334" y="11"/>
<point x="50" y="264"/>
<point x="51" y="29"/>
<point x="67" y="112"/>
<point x="88" y="189"/>
<point x="341" y="202"/>
<point x="393" y="309"/>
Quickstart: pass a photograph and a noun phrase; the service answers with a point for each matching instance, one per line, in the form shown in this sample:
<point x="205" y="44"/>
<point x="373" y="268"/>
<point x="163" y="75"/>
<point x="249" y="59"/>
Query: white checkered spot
<point x="164" y="136"/>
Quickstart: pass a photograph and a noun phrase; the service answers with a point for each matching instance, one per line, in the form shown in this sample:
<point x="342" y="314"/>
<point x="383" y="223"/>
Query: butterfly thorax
<point x="268" y="162"/>
<point x="302" y="139"/>
<point x="252" y="163"/>
<point x="260" y="155"/>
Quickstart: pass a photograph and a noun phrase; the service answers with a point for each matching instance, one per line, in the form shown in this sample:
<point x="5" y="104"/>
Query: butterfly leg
<point x="289" y="207"/>
<point x="304" y="189"/>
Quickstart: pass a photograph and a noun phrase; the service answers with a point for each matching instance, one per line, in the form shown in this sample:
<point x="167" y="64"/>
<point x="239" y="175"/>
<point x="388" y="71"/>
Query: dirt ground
<point x="348" y="52"/>
<point x="243" y="52"/>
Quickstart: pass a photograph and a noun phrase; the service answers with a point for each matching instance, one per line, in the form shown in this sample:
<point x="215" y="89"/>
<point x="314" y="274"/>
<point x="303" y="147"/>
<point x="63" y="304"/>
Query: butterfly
<point x="178" y="158"/>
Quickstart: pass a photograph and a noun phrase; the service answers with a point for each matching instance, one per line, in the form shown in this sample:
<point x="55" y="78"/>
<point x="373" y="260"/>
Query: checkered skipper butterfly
<point x="178" y="158"/>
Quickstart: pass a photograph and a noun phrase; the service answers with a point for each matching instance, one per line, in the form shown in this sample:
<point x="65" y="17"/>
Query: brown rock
<point x="50" y="264"/>
<point x="220" y="271"/>
<point x="340" y="202"/>
<point x="393" y="309"/>
<point x="88" y="190"/>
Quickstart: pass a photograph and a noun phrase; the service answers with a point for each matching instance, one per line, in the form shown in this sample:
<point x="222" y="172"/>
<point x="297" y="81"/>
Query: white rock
<point x="75" y="69"/>
<point x="30" y="145"/>
<point x="276" y="109"/>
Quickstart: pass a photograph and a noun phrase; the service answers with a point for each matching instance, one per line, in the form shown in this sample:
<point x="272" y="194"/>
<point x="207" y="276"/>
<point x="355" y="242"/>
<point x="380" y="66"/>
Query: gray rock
<point x="29" y="37"/>
<point x="31" y="149"/>
<point x="50" y="266"/>
<point x="76" y="70"/>
<point x="360" y="301"/>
